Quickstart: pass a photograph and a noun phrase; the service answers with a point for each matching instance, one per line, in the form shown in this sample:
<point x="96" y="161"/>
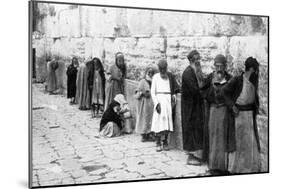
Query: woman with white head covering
<point x="111" y="124"/>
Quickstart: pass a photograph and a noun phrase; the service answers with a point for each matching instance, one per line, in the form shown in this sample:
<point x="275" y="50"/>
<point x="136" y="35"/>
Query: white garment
<point x="162" y="121"/>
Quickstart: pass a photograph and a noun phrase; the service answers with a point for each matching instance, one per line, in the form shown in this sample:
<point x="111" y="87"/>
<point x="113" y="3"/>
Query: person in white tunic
<point x="162" y="96"/>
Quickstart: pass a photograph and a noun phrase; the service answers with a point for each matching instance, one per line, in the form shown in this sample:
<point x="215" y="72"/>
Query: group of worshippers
<point x="219" y="116"/>
<point x="218" y="111"/>
<point x="102" y="91"/>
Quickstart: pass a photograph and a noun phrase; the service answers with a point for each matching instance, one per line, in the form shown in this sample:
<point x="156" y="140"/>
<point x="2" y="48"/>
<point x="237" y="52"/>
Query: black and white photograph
<point x="126" y="94"/>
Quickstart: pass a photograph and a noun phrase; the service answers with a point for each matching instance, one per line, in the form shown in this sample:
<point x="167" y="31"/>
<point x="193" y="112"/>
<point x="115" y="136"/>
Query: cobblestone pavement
<point x="68" y="150"/>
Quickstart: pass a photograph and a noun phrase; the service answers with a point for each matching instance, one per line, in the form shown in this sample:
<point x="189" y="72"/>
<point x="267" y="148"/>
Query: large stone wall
<point x="144" y="36"/>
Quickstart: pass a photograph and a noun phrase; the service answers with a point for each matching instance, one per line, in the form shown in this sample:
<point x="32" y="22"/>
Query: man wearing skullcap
<point x="219" y="129"/>
<point x="241" y="96"/>
<point x="163" y="90"/>
<point x="192" y="110"/>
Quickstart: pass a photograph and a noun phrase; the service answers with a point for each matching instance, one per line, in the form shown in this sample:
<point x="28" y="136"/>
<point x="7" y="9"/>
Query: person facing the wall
<point x="115" y="79"/>
<point x="144" y="105"/>
<point x="52" y="81"/>
<point x="163" y="90"/>
<point x="192" y="110"/>
<point x="241" y="96"/>
<point x="71" y="79"/>
<point x="97" y="86"/>
<point x="83" y="92"/>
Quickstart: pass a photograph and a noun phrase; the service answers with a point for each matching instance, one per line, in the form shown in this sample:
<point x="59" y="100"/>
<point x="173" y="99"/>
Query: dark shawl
<point x="232" y="90"/>
<point x="71" y="81"/>
<point x="111" y="116"/>
<point x="192" y="112"/>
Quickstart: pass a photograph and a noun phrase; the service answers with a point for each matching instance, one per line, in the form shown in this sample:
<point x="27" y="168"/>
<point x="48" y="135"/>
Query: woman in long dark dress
<point x="97" y="86"/>
<point x="71" y="79"/>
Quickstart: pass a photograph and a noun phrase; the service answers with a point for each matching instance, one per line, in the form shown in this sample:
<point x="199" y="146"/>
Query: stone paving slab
<point x="67" y="149"/>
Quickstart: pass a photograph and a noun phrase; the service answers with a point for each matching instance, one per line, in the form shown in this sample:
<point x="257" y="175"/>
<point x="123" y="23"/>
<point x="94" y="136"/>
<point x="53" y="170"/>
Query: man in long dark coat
<point x="219" y="122"/>
<point x="192" y="110"/>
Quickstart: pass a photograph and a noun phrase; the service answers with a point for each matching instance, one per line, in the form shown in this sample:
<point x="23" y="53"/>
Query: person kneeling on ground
<point x="112" y="121"/>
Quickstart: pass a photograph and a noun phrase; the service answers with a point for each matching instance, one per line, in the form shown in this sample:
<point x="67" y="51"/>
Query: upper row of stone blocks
<point x="54" y="20"/>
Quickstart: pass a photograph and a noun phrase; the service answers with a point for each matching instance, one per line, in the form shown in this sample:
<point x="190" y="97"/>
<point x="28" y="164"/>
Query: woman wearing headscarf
<point x="83" y="92"/>
<point x="144" y="105"/>
<point x="71" y="79"/>
<point x="115" y="79"/>
<point x="97" y="86"/>
<point x="112" y="121"/>
<point x="52" y="83"/>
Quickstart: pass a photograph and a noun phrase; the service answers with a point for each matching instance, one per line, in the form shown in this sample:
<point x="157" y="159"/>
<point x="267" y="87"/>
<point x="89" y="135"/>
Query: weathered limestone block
<point x="140" y="22"/>
<point x="69" y="22"/>
<point x="170" y="23"/>
<point x="61" y="47"/>
<point x="100" y="21"/>
<point x="137" y="51"/>
<point x="97" y="47"/>
<point x="179" y="47"/>
<point x="121" y="29"/>
<point x="150" y="47"/>
<point x="52" y="28"/>
<point x="242" y="47"/>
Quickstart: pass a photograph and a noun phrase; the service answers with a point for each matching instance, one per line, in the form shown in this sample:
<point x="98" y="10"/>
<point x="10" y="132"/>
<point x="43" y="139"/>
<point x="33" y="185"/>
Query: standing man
<point x="192" y="110"/>
<point x="241" y="96"/>
<point x="163" y="92"/>
<point x="220" y="122"/>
